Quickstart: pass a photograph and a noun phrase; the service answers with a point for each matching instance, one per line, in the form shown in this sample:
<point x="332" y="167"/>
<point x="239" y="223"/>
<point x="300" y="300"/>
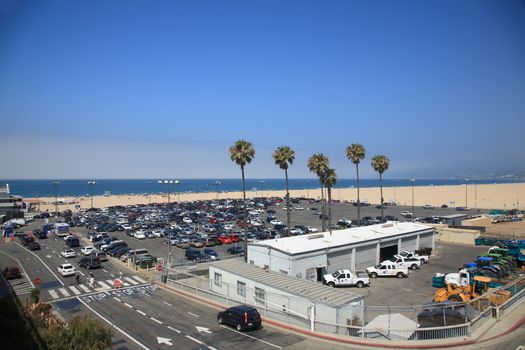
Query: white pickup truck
<point x="409" y="263"/>
<point x="386" y="269"/>
<point x="345" y="278"/>
<point x="408" y="254"/>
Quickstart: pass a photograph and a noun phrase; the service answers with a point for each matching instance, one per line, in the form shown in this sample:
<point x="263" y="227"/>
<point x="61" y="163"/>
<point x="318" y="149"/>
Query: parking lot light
<point x="413" y="213"/>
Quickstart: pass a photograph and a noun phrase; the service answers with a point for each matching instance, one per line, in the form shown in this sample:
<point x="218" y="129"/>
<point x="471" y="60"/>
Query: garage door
<point x="388" y="250"/>
<point x="339" y="260"/>
<point x="365" y="256"/>
<point x="409" y="243"/>
<point x="425" y="240"/>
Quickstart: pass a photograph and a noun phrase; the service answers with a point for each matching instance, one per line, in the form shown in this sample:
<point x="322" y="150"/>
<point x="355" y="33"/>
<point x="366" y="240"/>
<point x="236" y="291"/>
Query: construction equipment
<point x="462" y="293"/>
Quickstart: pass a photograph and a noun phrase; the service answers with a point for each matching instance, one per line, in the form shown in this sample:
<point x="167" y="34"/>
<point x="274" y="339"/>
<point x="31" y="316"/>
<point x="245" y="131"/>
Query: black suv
<point x="89" y="263"/>
<point x="242" y="317"/>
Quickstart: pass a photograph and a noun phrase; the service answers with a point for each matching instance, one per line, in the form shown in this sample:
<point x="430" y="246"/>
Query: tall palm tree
<point x="356" y="153"/>
<point x="318" y="164"/>
<point x="329" y="180"/>
<point x="380" y="164"/>
<point x="242" y="153"/>
<point x="283" y="157"/>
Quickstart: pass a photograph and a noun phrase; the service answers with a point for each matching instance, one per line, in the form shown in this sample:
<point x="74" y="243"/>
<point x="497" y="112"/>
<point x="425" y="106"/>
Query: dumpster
<point x="438" y="280"/>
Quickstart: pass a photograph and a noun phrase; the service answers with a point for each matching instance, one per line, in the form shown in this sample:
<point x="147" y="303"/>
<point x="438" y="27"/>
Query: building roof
<point x="350" y="236"/>
<point x="312" y="291"/>
<point x="454" y="216"/>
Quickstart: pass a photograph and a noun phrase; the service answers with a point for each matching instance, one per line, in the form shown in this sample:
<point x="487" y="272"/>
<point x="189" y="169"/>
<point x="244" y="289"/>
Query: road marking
<point x="103" y="284"/>
<point x="154" y="319"/>
<point x="117" y="299"/>
<point x="82" y="273"/>
<point x="130" y="280"/>
<point x="125" y="284"/>
<point x="111" y="282"/>
<point x="42" y="261"/>
<point x="84" y="288"/>
<point x="112" y="275"/>
<point x="141" y="312"/>
<point x="105" y="270"/>
<point x="195" y="340"/>
<point x="114" y="326"/>
<point x="76" y="291"/>
<point x="140" y="279"/>
<point x="53" y="294"/>
<point x="162" y="340"/>
<point x="128" y="305"/>
<point x="203" y="329"/>
<point x="47" y="247"/>
<point x="191" y="313"/>
<point x="53" y="252"/>
<point x="175" y="330"/>
<point x="249" y="336"/>
<point x="211" y="348"/>
<point x="168" y="304"/>
<point x="64" y="292"/>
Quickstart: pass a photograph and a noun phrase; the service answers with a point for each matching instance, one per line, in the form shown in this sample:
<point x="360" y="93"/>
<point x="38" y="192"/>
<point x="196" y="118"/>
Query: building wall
<point x="279" y="300"/>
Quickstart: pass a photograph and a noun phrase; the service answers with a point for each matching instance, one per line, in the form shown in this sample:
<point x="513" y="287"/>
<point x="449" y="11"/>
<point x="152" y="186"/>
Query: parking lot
<point x="417" y="289"/>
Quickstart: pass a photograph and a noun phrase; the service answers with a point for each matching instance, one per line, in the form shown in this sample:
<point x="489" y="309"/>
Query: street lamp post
<point x="168" y="183"/>
<point x="413" y="213"/>
<point x="149" y="191"/>
<point x="56" y="183"/>
<point x="217" y="183"/>
<point x="177" y="182"/>
<point x="466" y="193"/>
<point x="91" y="184"/>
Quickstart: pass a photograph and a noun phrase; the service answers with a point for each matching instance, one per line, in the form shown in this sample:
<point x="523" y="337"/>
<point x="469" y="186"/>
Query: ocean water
<point x="46" y="188"/>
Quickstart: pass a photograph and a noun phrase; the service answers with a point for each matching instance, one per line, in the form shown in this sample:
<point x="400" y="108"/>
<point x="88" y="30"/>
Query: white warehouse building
<point x="313" y="255"/>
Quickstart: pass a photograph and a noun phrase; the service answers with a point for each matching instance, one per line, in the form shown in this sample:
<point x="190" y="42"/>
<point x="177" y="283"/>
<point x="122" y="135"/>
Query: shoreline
<point x="485" y="196"/>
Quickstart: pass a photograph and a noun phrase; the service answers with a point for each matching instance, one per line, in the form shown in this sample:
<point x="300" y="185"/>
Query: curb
<point x="351" y="341"/>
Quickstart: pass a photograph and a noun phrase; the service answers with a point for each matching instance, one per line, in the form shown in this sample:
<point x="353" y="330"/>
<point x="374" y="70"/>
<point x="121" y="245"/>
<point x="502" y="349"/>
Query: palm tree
<point x="318" y="164"/>
<point x="242" y="153"/>
<point x="283" y="157"/>
<point x="329" y="180"/>
<point x="356" y="153"/>
<point x="380" y="164"/>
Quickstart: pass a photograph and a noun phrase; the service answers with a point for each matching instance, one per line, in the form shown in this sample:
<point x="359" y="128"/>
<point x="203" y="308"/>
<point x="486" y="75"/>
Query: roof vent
<point x="315" y="236"/>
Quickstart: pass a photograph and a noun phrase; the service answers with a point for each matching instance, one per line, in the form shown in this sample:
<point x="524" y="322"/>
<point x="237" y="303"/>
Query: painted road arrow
<point x="166" y="341"/>
<point x="203" y="329"/>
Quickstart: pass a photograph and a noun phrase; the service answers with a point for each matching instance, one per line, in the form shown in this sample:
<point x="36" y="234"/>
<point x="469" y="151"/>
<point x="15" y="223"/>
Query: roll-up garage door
<point x="339" y="260"/>
<point x="408" y="243"/>
<point x="365" y="256"/>
<point x="388" y="250"/>
<point x="425" y="240"/>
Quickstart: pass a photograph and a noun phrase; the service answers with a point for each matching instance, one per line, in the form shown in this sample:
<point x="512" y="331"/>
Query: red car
<point x="234" y="238"/>
<point x="11" y="272"/>
<point x="224" y="239"/>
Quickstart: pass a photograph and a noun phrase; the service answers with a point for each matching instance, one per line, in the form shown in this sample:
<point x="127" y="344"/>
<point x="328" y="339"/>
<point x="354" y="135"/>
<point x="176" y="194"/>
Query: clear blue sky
<point x="148" y="89"/>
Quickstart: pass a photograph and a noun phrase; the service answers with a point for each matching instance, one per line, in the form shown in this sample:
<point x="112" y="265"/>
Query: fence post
<point x="312" y="317"/>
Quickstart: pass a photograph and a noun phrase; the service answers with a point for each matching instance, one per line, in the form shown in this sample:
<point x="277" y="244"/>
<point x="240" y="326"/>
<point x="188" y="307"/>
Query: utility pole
<point x="56" y="183"/>
<point x="91" y="184"/>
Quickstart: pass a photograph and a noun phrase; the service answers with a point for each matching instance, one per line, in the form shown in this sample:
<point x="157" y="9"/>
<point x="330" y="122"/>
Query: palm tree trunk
<point x="287" y="202"/>
<point x="381" y="189"/>
<point x="330" y="209"/>
<point x="244" y="215"/>
<point x="358" y="201"/>
<point x="323" y="209"/>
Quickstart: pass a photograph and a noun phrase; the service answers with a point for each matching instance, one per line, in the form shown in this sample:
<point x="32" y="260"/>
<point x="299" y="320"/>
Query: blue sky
<point x="147" y="89"/>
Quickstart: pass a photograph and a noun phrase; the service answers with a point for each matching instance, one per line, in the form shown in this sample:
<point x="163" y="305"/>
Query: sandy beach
<point x="494" y="196"/>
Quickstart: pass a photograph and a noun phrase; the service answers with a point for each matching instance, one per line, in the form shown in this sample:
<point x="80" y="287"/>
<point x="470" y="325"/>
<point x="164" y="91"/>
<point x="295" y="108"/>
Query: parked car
<point x="72" y="242"/>
<point x="68" y="253"/>
<point x="195" y="254"/>
<point x="211" y="253"/>
<point x="428" y="206"/>
<point x="87" y="250"/>
<point x="66" y="270"/>
<point x="241" y="317"/>
<point x="146" y="260"/>
<point x="236" y="250"/>
<point x="33" y="246"/>
<point x="11" y="272"/>
<point x="100" y="255"/>
<point x="89" y="263"/>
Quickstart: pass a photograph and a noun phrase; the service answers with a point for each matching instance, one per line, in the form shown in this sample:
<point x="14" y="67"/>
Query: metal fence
<point x="472" y="316"/>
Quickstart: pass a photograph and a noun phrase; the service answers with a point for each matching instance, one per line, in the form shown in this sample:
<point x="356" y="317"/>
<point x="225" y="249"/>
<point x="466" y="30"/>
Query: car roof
<point x="243" y="308"/>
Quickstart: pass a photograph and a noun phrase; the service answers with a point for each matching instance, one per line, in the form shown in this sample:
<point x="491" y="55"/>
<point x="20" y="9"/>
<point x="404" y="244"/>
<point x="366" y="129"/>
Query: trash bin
<point x="438" y="280"/>
<point x="479" y="241"/>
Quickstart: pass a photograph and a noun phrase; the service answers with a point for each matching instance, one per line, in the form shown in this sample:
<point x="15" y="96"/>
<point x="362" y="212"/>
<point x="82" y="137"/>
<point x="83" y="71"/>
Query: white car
<point x="158" y="233"/>
<point x="187" y="220"/>
<point x="87" y="250"/>
<point x="228" y="227"/>
<point x="139" y="234"/>
<point x="67" y="270"/>
<point x="276" y="222"/>
<point x="299" y="208"/>
<point x="428" y="206"/>
<point x="406" y="214"/>
<point x="68" y="253"/>
<point x="312" y="229"/>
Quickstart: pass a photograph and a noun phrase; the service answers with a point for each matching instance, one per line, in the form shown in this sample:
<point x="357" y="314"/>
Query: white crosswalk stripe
<point x="53" y="294"/>
<point x="84" y="288"/>
<point x="133" y="282"/>
<point x="64" y="292"/>
<point x="76" y="291"/>
<point x="140" y="279"/>
<point x="126" y="284"/>
<point x="103" y="284"/>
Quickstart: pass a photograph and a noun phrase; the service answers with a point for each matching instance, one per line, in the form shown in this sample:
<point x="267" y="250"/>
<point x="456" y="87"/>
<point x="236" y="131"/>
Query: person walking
<point x="77" y="278"/>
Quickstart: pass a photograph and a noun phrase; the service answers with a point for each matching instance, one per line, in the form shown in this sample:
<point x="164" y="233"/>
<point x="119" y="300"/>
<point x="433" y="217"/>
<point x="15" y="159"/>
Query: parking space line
<point x="128" y="305"/>
<point x="167" y="303"/>
<point x="191" y="313"/>
<point x="117" y="299"/>
<point x="141" y="312"/>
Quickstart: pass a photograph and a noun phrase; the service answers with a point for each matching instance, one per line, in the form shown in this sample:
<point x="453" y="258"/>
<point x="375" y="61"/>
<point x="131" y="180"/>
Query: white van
<point x="132" y="253"/>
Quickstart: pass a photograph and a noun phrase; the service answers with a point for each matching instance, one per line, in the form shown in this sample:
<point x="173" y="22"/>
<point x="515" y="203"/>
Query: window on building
<point x="310" y="274"/>
<point x="218" y="279"/>
<point x="260" y="295"/>
<point x="241" y="288"/>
